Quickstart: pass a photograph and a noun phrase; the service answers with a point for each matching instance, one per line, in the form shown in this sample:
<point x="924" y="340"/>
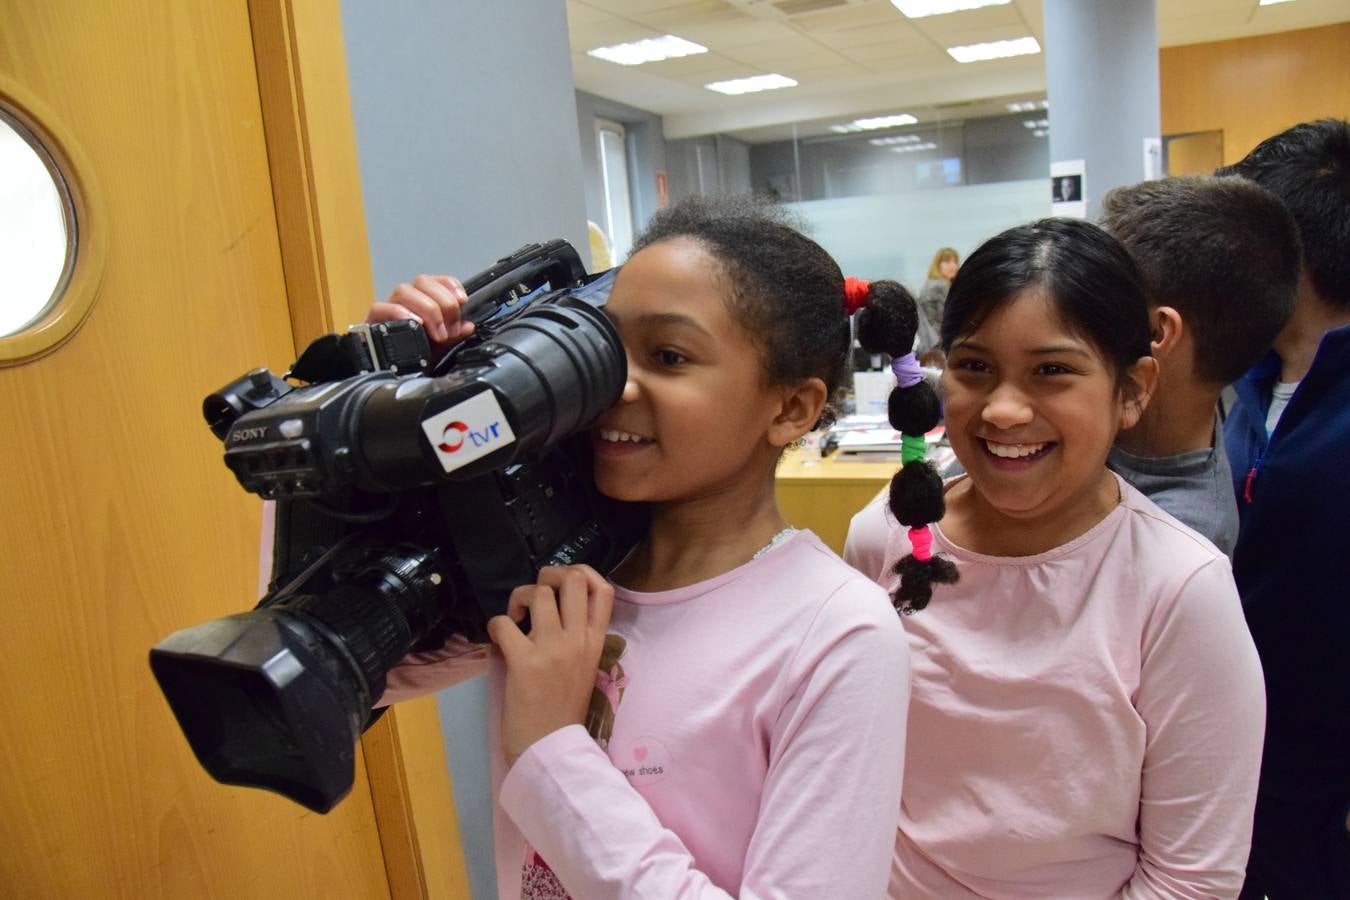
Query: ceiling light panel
<point x="845" y="18"/>
<point x="752" y="85"/>
<point x="1272" y="2"/>
<point x="994" y="50"/>
<point x="919" y="9"/>
<point x="635" y="53"/>
<point x="875" y="122"/>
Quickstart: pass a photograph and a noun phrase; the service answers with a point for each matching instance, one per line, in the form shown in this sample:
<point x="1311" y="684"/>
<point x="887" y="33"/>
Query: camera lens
<point x="276" y="698"/>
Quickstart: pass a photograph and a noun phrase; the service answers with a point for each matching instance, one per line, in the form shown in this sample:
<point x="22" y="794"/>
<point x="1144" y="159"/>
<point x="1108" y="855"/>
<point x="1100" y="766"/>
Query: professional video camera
<point x="410" y="501"/>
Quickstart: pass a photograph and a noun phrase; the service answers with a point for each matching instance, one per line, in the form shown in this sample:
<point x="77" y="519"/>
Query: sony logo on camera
<point x="468" y="431"/>
<point x="240" y="435"/>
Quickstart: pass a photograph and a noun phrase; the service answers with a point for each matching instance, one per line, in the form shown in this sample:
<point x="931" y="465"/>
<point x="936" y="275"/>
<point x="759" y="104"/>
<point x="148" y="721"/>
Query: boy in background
<point x="1220" y="260"/>
<point x="1288" y="439"/>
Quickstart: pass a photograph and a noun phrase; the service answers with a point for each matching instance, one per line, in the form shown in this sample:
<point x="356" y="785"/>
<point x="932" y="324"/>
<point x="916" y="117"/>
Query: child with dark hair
<point x="743" y="732"/>
<point x="1085" y="714"/>
<point x="1288" y="439"/>
<point x="1220" y="262"/>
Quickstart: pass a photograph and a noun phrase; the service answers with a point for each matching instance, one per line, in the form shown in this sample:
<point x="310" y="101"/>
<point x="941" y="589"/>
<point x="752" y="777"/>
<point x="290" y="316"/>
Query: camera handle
<point x="553" y="262"/>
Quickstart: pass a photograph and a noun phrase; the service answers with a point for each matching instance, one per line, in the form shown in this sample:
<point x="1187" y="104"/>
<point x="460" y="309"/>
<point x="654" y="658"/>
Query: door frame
<point x="316" y="187"/>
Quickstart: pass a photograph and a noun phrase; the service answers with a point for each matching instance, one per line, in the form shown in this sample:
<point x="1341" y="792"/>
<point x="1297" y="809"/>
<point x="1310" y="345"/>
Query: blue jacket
<point x="1292" y="565"/>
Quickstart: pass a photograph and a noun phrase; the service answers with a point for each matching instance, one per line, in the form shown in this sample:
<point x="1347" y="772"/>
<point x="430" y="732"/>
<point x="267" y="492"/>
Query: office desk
<point x="823" y="495"/>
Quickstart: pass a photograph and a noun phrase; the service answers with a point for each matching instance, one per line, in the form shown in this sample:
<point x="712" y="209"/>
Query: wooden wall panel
<point x="1252" y="88"/>
<point x="118" y="522"/>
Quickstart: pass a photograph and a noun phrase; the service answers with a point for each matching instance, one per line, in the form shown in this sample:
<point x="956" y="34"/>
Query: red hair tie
<point x="855" y="294"/>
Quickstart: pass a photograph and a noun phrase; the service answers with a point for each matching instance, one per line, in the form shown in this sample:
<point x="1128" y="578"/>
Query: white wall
<point x="896" y="235"/>
<point x="468" y="148"/>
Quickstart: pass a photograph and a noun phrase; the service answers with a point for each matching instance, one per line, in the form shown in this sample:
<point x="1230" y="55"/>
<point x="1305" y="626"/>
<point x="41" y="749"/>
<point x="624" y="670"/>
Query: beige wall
<point x="1252" y="88"/>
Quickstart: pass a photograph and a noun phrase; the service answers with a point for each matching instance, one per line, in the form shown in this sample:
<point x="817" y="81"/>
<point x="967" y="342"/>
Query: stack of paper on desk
<point x="870" y="440"/>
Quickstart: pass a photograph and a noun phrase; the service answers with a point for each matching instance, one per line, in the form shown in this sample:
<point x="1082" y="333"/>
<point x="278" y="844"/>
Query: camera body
<point x="410" y="500"/>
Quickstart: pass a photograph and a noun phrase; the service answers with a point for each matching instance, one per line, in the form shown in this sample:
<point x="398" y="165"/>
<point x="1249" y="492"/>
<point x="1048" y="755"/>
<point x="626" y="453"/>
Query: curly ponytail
<point x="887" y="324"/>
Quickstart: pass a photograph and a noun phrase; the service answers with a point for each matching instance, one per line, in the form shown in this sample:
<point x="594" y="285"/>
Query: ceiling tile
<point x="709" y="12"/>
<point x="979" y="35"/>
<point x="579" y="12"/>
<point x="845" y="17"/>
<point x="695" y="65"/>
<point x="735" y="34"/>
<point x="782" y="52"/>
<point x="840" y="68"/>
<point x="632" y="8"/>
<point x="912" y="55"/>
<point x="608" y="32"/>
<point x="898" y="36"/>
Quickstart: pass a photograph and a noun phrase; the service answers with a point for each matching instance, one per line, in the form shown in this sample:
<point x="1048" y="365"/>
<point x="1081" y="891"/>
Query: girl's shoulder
<point x="1153" y="530"/>
<point x="840" y="612"/>
<point x="806" y="575"/>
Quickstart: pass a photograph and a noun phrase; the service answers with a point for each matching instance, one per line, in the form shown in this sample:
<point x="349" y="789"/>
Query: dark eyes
<point x="978" y="365"/>
<point x="969" y="365"/>
<point x="670" y="358"/>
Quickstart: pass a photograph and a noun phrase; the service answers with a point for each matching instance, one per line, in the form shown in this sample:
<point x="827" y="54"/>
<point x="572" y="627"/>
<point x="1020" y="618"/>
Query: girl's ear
<point x="800" y="410"/>
<point x="1137" y="389"/>
<point x="1166" y="327"/>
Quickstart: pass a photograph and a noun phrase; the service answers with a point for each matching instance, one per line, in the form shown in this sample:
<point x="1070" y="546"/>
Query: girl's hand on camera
<point x="550" y="672"/>
<point x="433" y="300"/>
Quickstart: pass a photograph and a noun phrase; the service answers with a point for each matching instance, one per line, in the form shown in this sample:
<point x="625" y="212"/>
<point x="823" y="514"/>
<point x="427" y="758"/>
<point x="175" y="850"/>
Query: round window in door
<point x="53" y="229"/>
<point x="37" y="228"/>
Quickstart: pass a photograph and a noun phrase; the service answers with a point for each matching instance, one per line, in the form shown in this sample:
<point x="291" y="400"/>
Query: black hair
<point x="785" y="290"/>
<point x="1308" y="167"/>
<point x="1223" y="252"/>
<point x="888" y="324"/>
<point x="1087" y="276"/>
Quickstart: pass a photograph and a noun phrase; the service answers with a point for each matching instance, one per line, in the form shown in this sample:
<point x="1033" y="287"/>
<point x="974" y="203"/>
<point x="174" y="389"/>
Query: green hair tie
<point x="912" y="447"/>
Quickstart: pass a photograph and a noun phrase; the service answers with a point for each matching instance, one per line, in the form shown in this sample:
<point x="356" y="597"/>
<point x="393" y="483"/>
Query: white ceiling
<point x="855" y="57"/>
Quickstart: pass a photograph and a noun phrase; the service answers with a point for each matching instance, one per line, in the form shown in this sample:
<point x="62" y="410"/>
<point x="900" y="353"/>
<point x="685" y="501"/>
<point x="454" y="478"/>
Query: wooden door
<point x="119" y="523"/>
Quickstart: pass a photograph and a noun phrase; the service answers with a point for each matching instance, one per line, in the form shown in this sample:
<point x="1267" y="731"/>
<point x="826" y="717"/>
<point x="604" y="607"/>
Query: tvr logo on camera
<point x="468" y="431"/>
<point x="454" y="435"/>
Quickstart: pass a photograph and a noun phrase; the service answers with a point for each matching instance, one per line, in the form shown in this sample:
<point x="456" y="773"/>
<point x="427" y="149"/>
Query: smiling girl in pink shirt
<point x="1087" y="706"/>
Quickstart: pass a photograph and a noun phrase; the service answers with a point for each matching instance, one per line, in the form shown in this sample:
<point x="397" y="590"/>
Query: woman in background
<point x="933" y="296"/>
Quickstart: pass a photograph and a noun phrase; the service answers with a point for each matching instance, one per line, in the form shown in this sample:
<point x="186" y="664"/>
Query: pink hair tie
<point x="855" y="294"/>
<point x="921" y="539"/>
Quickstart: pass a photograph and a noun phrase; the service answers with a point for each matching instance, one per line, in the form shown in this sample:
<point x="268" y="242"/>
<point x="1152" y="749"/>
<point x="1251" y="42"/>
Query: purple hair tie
<point x="907" y="371"/>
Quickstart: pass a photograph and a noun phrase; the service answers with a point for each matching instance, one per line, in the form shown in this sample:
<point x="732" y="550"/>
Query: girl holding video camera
<point x="1087" y="708"/>
<point x="725" y="714"/>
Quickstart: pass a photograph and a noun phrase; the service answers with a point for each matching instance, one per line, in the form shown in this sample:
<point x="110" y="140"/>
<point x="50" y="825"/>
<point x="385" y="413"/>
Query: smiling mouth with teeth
<point x="1016" y="451"/>
<point x="623" y="437"/>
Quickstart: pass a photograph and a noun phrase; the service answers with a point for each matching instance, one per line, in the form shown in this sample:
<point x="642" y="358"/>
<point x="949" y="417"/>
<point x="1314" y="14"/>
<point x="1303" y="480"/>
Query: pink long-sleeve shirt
<point x="1084" y="723"/>
<point x="747" y="741"/>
